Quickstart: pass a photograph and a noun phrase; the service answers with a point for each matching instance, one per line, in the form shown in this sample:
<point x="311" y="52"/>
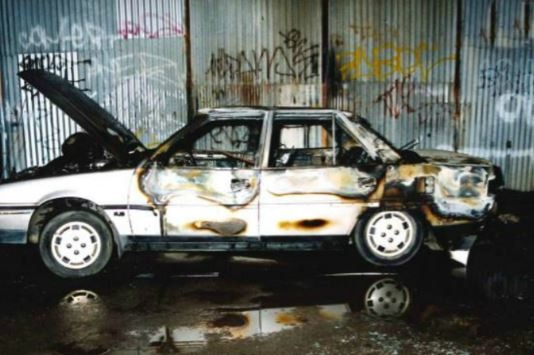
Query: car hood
<point x="445" y="157"/>
<point x="95" y="120"/>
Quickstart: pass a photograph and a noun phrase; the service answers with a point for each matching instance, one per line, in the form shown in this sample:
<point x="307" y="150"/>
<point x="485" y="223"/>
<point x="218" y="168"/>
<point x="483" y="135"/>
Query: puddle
<point x="383" y="297"/>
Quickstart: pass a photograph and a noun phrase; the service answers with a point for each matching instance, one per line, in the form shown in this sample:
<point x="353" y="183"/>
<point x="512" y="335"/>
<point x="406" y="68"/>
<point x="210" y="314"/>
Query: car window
<point x="223" y="144"/>
<point x="313" y="142"/>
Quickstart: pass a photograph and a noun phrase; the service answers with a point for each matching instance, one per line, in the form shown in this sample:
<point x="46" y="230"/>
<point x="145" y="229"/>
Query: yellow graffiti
<point x="387" y="60"/>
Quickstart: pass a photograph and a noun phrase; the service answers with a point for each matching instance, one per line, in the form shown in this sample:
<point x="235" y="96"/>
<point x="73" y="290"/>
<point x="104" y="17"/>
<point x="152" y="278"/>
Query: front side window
<point x="223" y="144"/>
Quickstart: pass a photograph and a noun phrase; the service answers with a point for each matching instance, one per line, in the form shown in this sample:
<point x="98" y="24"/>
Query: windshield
<point x="374" y="142"/>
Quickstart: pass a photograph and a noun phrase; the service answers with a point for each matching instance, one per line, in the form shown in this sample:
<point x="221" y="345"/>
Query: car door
<point x="317" y="179"/>
<point x="208" y="186"/>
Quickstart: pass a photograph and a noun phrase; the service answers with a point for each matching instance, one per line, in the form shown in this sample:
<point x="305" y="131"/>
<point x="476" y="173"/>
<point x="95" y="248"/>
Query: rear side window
<point x="305" y="142"/>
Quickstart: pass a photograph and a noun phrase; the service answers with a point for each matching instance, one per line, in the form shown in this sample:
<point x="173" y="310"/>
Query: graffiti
<point x="405" y="96"/>
<point x="226" y="137"/>
<point x="63" y="64"/>
<point x="143" y="89"/>
<point x="295" y="58"/>
<point x="167" y="27"/>
<point x="74" y="34"/>
<point x="504" y="77"/>
<point x="371" y="33"/>
<point x="512" y="87"/>
<point x="41" y="123"/>
<point x="387" y="60"/>
<point x="133" y="21"/>
<point x="511" y="107"/>
<point x="155" y="69"/>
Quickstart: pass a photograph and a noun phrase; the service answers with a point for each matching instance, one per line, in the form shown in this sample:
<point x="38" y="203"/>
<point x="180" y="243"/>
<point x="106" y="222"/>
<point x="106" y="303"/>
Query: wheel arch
<point x="54" y="207"/>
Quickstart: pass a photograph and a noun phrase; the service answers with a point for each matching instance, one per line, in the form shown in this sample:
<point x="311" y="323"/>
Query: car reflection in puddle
<point x="383" y="298"/>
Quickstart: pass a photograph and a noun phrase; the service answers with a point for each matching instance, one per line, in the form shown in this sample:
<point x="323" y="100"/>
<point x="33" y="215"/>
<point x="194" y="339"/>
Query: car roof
<point x="261" y="109"/>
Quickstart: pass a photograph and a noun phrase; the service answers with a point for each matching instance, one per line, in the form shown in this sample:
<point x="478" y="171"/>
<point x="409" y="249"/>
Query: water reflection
<point x="382" y="297"/>
<point x="80" y="298"/>
<point x="387" y="298"/>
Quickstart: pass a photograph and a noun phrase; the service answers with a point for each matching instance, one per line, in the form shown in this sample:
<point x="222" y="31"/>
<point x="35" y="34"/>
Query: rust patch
<point x="430" y="169"/>
<point x="290" y="319"/>
<point x="437" y="220"/>
<point x="231" y="227"/>
<point x="304" y="224"/>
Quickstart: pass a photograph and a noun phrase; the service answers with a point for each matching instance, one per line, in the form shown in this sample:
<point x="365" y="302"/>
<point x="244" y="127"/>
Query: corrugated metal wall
<point x="394" y="63"/>
<point x="128" y="55"/>
<point x="498" y="86"/>
<point x="256" y="52"/>
<point x="457" y="74"/>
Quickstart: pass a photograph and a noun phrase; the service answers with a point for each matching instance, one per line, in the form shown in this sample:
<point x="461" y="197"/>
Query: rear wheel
<point x="388" y="238"/>
<point x="76" y="244"/>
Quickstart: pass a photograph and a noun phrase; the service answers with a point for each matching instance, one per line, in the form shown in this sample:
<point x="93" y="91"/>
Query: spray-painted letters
<point x="295" y="58"/>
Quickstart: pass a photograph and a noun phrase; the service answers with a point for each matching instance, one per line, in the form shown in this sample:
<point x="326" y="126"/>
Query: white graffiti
<point x="157" y="70"/>
<point x="70" y="33"/>
<point x="511" y="107"/>
<point x="144" y="90"/>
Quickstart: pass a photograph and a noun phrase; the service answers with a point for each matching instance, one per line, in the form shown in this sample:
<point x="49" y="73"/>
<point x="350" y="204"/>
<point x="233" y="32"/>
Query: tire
<point x="388" y="238"/>
<point x="76" y="244"/>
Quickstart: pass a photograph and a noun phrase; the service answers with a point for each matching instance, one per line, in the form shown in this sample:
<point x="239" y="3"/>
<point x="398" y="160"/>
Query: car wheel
<point x="388" y="238"/>
<point x="76" y="244"/>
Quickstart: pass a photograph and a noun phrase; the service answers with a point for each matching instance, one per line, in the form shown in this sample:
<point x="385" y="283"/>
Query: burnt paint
<point x="231" y="227"/>
<point x="233" y="320"/>
<point x="304" y="224"/>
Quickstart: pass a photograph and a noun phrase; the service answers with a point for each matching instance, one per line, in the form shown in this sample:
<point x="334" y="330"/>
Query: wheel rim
<point x="76" y="245"/>
<point x="387" y="298"/>
<point x="390" y="234"/>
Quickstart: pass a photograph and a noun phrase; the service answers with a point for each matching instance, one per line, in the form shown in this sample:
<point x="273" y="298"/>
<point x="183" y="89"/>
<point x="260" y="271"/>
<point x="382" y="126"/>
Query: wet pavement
<point x="295" y="303"/>
<point x="309" y="304"/>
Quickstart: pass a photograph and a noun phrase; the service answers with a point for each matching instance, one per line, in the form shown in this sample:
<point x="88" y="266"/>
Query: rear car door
<point x="318" y="178"/>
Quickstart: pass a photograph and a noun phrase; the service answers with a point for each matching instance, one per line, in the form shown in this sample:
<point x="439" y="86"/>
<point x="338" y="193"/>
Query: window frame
<point x="306" y="116"/>
<point x="183" y="137"/>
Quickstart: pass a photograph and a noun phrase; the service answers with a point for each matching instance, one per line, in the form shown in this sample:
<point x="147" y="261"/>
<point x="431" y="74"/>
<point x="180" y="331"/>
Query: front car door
<point x="318" y="177"/>
<point x="207" y="184"/>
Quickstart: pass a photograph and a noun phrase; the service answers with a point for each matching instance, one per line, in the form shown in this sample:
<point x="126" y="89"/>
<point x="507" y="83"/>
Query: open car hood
<point x="95" y="120"/>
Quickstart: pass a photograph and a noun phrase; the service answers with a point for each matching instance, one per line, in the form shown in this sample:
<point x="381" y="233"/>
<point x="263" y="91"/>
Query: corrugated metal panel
<point x="394" y="63"/>
<point x="498" y="86"/>
<point x="256" y="52"/>
<point x="127" y="55"/>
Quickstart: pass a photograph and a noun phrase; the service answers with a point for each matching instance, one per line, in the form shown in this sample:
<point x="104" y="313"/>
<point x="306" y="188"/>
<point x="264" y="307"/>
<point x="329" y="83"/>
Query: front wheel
<point x="388" y="238"/>
<point x="76" y="244"/>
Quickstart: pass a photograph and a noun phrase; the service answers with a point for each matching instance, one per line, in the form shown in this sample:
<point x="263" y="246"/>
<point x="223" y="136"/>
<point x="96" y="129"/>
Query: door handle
<point x="239" y="184"/>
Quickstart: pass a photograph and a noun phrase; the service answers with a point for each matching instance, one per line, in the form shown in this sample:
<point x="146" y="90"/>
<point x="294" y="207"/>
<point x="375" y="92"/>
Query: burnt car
<point x="237" y="179"/>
